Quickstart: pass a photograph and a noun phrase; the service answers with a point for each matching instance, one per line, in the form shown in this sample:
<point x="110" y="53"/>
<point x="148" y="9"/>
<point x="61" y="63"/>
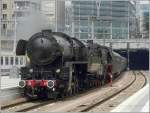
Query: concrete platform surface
<point x="139" y="102"/>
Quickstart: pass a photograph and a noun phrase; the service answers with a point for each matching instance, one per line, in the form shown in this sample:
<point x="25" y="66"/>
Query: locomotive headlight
<point x="31" y="70"/>
<point x="50" y="84"/>
<point x="58" y="71"/>
<point x="53" y="89"/>
<point x="22" y="84"/>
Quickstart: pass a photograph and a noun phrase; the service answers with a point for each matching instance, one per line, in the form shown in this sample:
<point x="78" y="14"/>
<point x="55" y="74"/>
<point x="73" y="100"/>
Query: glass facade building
<point x="144" y="20"/>
<point x="99" y="19"/>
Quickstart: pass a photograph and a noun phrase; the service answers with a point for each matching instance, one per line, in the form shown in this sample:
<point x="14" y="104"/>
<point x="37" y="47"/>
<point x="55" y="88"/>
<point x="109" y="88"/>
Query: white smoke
<point x="31" y="23"/>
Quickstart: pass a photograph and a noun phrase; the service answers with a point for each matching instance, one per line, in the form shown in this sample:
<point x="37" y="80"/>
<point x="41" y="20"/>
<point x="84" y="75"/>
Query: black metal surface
<point x="21" y="47"/>
<point x="42" y="49"/>
<point x="80" y="51"/>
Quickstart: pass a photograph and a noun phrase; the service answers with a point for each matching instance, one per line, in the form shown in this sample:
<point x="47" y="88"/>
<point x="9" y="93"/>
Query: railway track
<point x="30" y="105"/>
<point x="88" y="109"/>
<point x="6" y="106"/>
<point x="145" y="78"/>
<point x="26" y="105"/>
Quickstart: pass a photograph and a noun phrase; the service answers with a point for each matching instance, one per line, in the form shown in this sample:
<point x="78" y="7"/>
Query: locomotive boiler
<point x="60" y="65"/>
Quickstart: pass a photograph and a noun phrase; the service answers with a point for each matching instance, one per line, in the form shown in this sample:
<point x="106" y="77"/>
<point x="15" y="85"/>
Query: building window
<point x="4" y="6"/>
<point x="5" y="70"/>
<point x="16" y="60"/>
<point x="11" y="60"/>
<point x="21" y="60"/>
<point x="7" y="45"/>
<point x="1" y="60"/>
<point x="4" y="26"/>
<point x="4" y="16"/>
<point x="6" y="60"/>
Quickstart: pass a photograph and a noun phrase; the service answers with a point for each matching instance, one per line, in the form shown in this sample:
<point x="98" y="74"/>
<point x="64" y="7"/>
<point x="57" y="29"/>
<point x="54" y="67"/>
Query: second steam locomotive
<point x="60" y="65"/>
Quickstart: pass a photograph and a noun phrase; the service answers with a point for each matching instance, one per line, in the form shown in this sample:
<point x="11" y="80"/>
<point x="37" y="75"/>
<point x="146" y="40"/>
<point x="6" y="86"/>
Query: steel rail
<point x="86" y="109"/>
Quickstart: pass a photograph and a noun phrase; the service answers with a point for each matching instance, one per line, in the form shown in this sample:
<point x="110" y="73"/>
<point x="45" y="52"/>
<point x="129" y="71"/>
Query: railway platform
<point x="137" y="102"/>
<point x="9" y="89"/>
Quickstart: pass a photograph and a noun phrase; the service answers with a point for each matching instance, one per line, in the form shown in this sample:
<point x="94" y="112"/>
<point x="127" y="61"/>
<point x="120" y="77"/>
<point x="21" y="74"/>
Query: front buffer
<point x="40" y="88"/>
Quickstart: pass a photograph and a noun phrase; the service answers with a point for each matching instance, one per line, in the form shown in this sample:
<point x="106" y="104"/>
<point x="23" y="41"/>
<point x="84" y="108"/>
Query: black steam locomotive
<point x="59" y="65"/>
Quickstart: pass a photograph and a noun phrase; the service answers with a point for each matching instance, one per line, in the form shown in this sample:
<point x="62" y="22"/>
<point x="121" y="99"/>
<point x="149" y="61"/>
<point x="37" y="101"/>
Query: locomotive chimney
<point x="47" y="31"/>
